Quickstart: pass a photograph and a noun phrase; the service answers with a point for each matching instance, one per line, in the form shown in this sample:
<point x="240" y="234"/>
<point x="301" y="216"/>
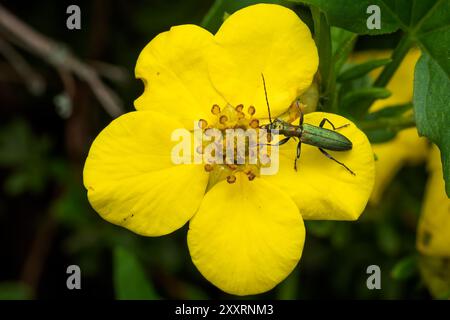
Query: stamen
<point x="215" y="109"/>
<point x="223" y="119"/>
<point x="239" y="107"/>
<point x="251" y="176"/>
<point x="254" y="123"/>
<point x="202" y="123"/>
<point x="236" y="159"/>
<point x="231" y="179"/>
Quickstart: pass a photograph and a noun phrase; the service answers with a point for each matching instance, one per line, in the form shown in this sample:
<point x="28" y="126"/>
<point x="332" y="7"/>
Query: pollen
<point x="231" y="179"/>
<point x="215" y="109"/>
<point x="254" y="123"/>
<point x="223" y="119"/>
<point x="239" y="149"/>
<point x="202" y="123"/>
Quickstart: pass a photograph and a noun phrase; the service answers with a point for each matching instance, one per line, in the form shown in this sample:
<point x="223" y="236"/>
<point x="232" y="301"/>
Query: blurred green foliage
<point x="41" y="168"/>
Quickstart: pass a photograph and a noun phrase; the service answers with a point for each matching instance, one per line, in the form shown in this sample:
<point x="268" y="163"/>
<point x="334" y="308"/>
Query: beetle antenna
<point x="267" y="99"/>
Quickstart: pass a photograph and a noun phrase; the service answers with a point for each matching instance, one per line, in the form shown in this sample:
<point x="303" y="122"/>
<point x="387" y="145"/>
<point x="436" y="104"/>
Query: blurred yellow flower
<point x="247" y="236"/>
<point x="433" y="235"/>
<point x="407" y="147"/>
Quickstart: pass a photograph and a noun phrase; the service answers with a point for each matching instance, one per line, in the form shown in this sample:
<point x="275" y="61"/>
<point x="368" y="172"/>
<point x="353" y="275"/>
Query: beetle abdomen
<point x="325" y="138"/>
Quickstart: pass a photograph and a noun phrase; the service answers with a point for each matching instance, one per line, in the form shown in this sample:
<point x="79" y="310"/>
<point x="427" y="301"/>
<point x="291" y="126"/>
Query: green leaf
<point x="130" y="281"/>
<point x="431" y="108"/>
<point x="221" y="8"/>
<point x="380" y="135"/>
<point x="342" y="43"/>
<point x="390" y="111"/>
<point x="349" y="101"/>
<point x="405" y="268"/>
<point x="352" y="15"/>
<point x="322" y="38"/>
<point x="360" y="70"/>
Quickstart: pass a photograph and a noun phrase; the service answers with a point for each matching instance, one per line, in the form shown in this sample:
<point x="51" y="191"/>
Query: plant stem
<point x="322" y="37"/>
<point x="389" y="123"/>
<point x="388" y="71"/>
<point x="397" y="57"/>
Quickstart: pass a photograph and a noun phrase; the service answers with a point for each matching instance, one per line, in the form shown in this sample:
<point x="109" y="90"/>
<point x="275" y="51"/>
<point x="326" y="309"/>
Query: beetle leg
<point x="299" y="149"/>
<point x="300" y="119"/>
<point x="329" y="156"/>
<point x="334" y="128"/>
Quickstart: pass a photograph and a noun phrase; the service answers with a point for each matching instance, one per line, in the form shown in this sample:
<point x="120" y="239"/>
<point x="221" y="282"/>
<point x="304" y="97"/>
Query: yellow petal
<point x="321" y="188"/>
<point x="435" y="272"/>
<point x="268" y="39"/>
<point x="406" y="148"/>
<point x="246" y="237"/>
<point x="401" y="83"/>
<point x="132" y="181"/>
<point x="434" y="226"/>
<point x="175" y="73"/>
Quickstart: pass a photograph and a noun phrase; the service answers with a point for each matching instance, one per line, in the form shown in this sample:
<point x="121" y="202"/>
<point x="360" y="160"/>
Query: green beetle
<point x="318" y="136"/>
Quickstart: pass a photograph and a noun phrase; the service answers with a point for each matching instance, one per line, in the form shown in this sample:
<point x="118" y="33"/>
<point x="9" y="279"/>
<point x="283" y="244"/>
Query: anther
<point x="254" y="123"/>
<point x="240" y="115"/>
<point x="239" y="107"/>
<point x="231" y="179"/>
<point x="251" y="176"/>
<point x="223" y="119"/>
<point x="202" y="124"/>
<point x="208" y="167"/>
<point x="215" y="109"/>
<point x="251" y="110"/>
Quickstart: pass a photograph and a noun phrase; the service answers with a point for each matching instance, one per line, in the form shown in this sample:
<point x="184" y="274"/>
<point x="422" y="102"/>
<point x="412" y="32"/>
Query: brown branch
<point x="33" y="80"/>
<point x="59" y="56"/>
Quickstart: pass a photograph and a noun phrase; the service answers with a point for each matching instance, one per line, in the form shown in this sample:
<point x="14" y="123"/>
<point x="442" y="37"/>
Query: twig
<point x="33" y="80"/>
<point x="59" y="56"/>
<point x="109" y="71"/>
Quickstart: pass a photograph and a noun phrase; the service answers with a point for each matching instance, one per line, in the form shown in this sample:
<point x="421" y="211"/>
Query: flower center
<point x="235" y="143"/>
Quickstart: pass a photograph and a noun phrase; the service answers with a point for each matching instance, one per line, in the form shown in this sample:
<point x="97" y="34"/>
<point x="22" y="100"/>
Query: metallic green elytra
<point x="318" y="136"/>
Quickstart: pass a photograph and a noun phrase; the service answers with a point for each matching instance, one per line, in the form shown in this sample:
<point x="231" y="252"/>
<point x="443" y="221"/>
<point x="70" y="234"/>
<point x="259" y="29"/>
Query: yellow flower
<point x="407" y="147"/>
<point x="433" y="232"/>
<point x="433" y="235"/>
<point x="247" y="236"/>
